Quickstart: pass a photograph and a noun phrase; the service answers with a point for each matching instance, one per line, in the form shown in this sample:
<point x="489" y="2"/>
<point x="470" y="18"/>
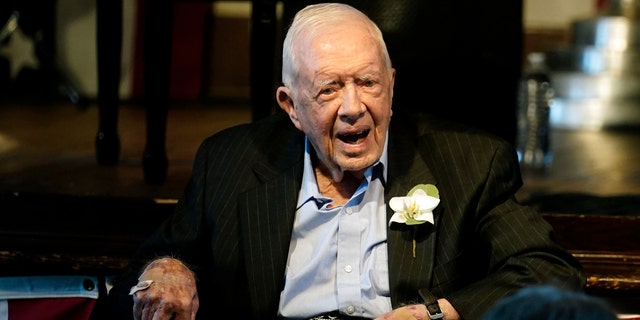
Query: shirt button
<point x="348" y="268"/>
<point x="351" y="309"/>
<point x="349" y="210"/>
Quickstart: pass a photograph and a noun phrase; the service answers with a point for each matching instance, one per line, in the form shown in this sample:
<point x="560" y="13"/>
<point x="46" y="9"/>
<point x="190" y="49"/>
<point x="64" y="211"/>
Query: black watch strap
<point x="431" y="301"/>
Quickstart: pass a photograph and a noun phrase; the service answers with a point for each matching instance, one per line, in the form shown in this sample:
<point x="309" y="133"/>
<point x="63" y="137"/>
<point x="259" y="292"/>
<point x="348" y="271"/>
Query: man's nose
<point x="352" y="106"/>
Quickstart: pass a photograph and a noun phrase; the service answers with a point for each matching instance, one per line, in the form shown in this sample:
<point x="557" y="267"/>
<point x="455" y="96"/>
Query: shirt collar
<point x="309" y="190"/>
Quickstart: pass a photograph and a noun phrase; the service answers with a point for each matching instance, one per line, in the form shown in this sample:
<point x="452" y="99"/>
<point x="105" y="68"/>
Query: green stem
<point x="414" y="242"/>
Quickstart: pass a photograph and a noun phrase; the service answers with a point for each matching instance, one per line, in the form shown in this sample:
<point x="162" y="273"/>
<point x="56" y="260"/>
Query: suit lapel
<point x="406" y="170"/>
<point x="266" y="215"/>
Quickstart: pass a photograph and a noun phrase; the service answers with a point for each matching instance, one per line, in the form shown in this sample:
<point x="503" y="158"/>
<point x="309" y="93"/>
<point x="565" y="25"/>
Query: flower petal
<point x="397" y="203"/>
<point x="424" y="217"/>
<point x="426" y="202"/>
<point x="398" y="217"/>
<point x="418" y="192"/>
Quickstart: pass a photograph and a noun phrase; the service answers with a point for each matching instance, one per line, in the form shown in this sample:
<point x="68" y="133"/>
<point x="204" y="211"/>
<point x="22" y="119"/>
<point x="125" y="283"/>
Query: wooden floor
<point x="49" y="148"/>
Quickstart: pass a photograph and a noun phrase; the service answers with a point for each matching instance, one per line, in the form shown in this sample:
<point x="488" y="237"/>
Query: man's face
<point x="343" y="98"/>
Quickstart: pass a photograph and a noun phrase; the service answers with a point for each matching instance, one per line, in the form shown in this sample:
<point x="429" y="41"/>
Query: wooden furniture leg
<point x="263" y="45"/>
<point x="157" y="61"/>
<point x="158" y="32"/>
<point x="109" y="45"/>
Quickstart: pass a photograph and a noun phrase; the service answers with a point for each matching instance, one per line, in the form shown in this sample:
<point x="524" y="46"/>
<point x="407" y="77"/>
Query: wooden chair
<point x="158" y="21"/>
<point x="157" y="60"/>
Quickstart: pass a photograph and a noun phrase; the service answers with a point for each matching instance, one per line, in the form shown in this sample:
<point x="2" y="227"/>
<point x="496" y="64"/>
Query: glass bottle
<point x="535" y="98"/>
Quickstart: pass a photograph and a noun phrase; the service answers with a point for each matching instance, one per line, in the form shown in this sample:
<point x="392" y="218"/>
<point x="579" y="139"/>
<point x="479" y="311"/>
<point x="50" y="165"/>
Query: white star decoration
<point x="20" y="50"/>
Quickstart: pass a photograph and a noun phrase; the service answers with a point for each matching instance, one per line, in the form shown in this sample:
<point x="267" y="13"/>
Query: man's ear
<point x="283" y="96"/>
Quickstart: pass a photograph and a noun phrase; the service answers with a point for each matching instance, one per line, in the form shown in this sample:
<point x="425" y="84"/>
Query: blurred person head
<point x="550" y="303"/>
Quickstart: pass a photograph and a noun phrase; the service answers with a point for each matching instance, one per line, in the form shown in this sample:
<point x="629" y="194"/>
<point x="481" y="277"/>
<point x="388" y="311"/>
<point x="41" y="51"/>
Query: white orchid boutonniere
<point x="416" y="208"/>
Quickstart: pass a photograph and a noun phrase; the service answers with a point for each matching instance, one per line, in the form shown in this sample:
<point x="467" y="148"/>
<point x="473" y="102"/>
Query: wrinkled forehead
<point x="355" y="28"/>
<point x="337" y="54"/>
<point x="334" y="37"/>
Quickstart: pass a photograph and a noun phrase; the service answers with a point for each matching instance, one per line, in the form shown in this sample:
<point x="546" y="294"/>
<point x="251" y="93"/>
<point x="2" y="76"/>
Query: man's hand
<point x="172" y="293"/>
<point x="419" y="312"/>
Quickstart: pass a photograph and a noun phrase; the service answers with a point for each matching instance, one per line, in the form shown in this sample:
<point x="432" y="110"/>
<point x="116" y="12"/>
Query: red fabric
<point x="137" y="85"/>
<point x="72" y="308"/>
<point x="601" y="4"/>
<point x="188" y="49"/>
<point x="187" y="55"/>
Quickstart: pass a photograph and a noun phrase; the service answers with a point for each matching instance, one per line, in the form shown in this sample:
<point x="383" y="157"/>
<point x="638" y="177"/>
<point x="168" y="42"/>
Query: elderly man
<point x="334" y="209"/>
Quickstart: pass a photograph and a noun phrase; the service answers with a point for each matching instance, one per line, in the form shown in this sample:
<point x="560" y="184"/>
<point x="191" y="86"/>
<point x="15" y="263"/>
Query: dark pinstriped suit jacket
<point x="234" y="222"/>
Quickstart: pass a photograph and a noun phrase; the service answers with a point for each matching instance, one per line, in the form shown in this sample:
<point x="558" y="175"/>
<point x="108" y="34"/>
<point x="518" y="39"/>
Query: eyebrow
<point x="324" y="83"/>
<point x="365" y="76"/>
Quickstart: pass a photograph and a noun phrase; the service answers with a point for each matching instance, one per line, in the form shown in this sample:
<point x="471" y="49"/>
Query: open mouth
<point x="354" y="138"/>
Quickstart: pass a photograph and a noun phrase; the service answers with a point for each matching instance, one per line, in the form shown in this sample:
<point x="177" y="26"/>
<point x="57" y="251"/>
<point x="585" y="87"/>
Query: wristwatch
<point x="431" y="301"/>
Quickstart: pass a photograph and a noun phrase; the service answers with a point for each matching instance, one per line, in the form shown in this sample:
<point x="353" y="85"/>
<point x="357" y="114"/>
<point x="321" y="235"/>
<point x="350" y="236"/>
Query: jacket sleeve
<point x="499" y="244"/>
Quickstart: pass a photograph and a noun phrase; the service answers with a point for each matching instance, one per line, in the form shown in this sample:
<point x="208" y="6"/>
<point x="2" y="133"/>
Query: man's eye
<point x="369" y="83"/>
<point x="327" y="91"/>
<point x="366" y="83"/>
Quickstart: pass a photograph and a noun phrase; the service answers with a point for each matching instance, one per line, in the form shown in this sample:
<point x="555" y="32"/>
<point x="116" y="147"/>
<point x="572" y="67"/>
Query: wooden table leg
<point x="158" y="32"/>
<point x="263" y="45"/>
<point x="109" y="45"/>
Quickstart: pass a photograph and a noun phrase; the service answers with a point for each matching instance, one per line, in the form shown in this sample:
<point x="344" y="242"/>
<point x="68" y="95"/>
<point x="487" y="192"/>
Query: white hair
<point x="310" y="21"/>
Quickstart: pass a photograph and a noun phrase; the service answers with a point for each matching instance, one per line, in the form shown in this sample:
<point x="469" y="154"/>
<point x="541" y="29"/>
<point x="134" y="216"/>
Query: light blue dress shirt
<point x="338" y="255"/>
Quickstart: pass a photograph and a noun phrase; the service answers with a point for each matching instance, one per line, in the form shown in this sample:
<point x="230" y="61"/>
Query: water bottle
<point x="534" y="100"/>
